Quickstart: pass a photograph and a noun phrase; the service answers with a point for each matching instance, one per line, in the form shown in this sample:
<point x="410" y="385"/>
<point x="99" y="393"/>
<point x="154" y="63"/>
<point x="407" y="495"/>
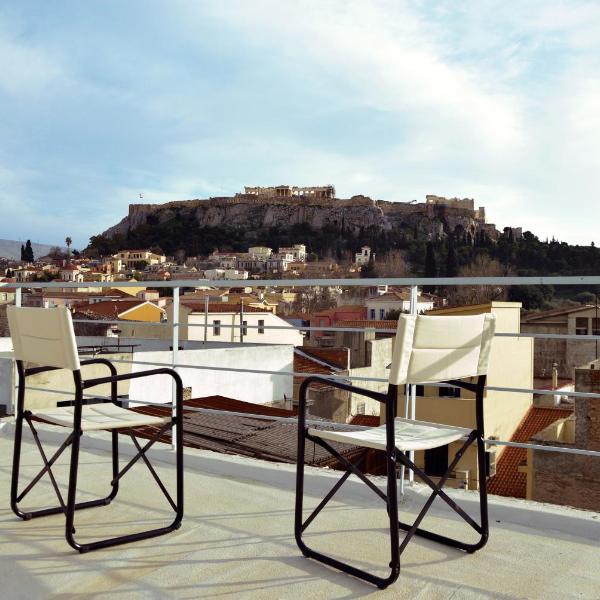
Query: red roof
<point x="508" y="481"/>
<point x="111" y="308"/>
<point x="371" y="324"/>
<point x="338" y="357"/>
<point x="304" y="364"/>
<point x="366" y="420"/>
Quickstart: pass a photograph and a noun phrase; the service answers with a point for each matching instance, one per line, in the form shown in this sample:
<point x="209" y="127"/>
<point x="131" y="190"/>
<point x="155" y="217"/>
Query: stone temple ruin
<point x="287" y="191"/>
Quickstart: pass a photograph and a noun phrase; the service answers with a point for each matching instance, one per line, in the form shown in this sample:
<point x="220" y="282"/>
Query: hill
<point x="12" y="249"/>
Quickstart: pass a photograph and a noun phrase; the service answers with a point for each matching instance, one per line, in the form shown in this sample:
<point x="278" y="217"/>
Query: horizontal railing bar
<point x="367" y="282"/>
<point x="542" y="336"/>
<point x="335" y="425"/>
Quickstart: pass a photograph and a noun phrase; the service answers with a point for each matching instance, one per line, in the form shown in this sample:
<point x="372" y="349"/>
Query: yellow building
<point x="511" y="365"/>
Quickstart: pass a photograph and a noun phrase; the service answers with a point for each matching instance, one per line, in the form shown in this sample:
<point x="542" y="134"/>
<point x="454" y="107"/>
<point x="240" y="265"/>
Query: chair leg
<point x="16" y="498"/>
<point x="482" y="530"/>
<point x="124" y="539"/>
<point x="391" y="499"/>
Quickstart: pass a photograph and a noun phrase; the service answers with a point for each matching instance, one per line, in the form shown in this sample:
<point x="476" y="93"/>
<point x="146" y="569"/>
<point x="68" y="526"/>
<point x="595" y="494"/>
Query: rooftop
<point x="237" y="539"/>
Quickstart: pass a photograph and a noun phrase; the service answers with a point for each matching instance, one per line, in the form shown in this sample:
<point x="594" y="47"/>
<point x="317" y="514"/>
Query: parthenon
<point x="286" y="191"/>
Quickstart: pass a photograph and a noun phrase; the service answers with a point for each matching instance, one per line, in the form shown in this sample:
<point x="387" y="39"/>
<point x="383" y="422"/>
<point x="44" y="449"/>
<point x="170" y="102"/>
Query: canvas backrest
<point x="43" y="336"/>
<point x="429" y="349"/>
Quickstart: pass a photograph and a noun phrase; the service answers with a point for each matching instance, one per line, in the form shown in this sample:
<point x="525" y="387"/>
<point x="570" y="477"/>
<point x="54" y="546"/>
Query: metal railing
<point x="412" y="282"/>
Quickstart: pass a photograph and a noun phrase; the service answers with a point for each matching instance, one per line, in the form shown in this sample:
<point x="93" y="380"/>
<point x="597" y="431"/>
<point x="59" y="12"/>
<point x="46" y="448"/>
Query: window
<point x="217" y="327"/>
<point x="436" y="461"/>
<point x="581" y="326"/>
<point x="244" y="327"/>
<point x="381" y="313"/>
<point x="360" y="408"/>
<point x="261" y="326"/>
<point x="595" y="326"/>
<point x="449" y="392"/>
<point x="419" y="390"/>
<point x="372" y="314"/>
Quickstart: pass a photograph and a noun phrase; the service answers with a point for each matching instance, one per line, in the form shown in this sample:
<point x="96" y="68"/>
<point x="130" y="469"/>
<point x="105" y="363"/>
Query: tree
<point x="451" y="265"/>
<point x="68" y="242"/>
<point x="482" y="266"/>
<point x="430" y="267"/>
<point x="369" y="270"/>
<point x="394" y="264"/>
<point x="27" y="252"/>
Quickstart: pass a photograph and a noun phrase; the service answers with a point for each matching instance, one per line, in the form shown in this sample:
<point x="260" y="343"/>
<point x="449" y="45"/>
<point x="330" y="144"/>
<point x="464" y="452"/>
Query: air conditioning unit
<point x="490" y="462"/>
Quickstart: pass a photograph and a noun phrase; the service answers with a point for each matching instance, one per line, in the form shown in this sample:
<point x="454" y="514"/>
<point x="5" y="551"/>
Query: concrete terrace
<point x="237" y="537"/>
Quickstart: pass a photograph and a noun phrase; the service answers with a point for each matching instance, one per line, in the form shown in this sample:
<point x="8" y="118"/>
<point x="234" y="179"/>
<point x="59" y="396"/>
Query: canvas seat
<point x="45" y="337"/>
<point x="449" y="350"/>
<point x="96" y="417"/>
<point x="409" y="434"/>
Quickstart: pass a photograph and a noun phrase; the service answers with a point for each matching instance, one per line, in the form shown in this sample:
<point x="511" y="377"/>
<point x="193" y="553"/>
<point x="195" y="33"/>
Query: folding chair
<point x="428" y="349"/>
<point x="45" y="337"/>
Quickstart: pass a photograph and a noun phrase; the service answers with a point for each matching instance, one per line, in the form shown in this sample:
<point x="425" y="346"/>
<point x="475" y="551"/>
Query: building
<point x="364" y="256"/>
<point x="380" y="305"/>
<point x="214" y="274"/>
<point x="570" y="479"/>
<point x="135" y="259"/>
<point x="297" y="252"/>
<point x="511" y="365"/>
<point x="126" y="310"/>
<point x="565" y="354"/>
<point x="288" y="191"/>
<point x="329" y="318"/>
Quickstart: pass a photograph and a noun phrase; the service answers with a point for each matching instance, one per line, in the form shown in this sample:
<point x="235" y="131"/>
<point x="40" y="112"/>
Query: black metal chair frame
<point x="393" y="457"/>
<point x="73" y="439"/>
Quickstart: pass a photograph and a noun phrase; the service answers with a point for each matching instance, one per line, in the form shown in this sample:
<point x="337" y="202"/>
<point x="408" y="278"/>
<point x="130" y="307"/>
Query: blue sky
<point x="99" y="101"/>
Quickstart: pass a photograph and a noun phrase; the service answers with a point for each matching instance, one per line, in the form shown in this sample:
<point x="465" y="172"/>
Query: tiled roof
<point x="362" y="324"/>
<point x="304" y="364"/>
<point x="110" y="308"/>
<point x="338" y="357"/>
<point x="243" y="435"/>
<point x="554" y="312"/>
<point x="508" y="481"/>
<point x="366" y="420"/>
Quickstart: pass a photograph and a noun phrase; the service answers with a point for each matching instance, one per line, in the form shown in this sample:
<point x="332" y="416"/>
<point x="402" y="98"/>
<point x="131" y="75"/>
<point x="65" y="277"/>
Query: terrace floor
<point x="237" y="540"/>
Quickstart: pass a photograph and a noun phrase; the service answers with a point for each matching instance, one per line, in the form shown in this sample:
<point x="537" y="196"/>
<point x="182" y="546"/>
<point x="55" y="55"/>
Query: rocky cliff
<point x="248" y="212"/>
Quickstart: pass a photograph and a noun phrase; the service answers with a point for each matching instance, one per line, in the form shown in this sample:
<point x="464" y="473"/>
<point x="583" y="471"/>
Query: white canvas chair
<point x="428" y="349"/>
<point x="45" y="337"/>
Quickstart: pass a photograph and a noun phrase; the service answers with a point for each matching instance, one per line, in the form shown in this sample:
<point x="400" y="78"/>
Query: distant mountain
<point x="12" y="249"/>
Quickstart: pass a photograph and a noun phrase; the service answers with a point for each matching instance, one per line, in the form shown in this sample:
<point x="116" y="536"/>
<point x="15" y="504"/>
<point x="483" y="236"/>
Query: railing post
<point x="174" y="355"/>
<point x="412" y="388"/>
<point x="205" y="319"/>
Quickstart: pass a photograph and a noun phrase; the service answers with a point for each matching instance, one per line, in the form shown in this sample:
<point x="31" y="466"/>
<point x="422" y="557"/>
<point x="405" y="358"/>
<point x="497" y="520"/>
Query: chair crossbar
<point x="142" y="452"/>
<point x="47" y="465"/>
<point x="153" y="472"/>
<point x="348" y="465"/>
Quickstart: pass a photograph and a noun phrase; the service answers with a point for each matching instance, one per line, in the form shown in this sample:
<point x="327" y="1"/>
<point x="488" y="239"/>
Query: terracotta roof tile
<point x="366" y="420"/>
<point x="371" y="324"/>
<point x="508" y="481"/>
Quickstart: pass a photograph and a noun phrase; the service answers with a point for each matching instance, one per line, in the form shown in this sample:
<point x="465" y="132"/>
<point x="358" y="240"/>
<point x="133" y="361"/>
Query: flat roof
<point x="237" y="541"/>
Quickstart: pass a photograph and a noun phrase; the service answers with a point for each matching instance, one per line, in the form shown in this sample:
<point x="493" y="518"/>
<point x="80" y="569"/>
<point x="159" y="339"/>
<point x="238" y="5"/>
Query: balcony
<point x="237" y="537"/>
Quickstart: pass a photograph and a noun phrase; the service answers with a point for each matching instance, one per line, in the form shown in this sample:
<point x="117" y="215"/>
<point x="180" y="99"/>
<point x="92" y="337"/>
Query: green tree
<point x="451" y="265"/>
<point x="430" y="267"/>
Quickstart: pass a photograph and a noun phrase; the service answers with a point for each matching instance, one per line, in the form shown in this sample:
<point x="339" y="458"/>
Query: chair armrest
<point x="113" y="379"/>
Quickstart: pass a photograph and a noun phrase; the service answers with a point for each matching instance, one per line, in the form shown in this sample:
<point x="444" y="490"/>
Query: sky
<point x="103" y="100"/>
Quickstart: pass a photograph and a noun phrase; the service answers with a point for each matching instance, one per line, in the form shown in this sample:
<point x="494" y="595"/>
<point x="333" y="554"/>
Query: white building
<point x="298" y="252"/>
<point x="260" y="252"/>
<point x="363" y="257"/>
<point x="224" y="324"/>
<point x="213" y="274"/>
<point x="379" y="306"/>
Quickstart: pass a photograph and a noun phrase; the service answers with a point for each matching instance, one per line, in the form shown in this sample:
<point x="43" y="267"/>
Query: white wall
<point x="232" y="334"/>
<point x="249" y="387"/>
